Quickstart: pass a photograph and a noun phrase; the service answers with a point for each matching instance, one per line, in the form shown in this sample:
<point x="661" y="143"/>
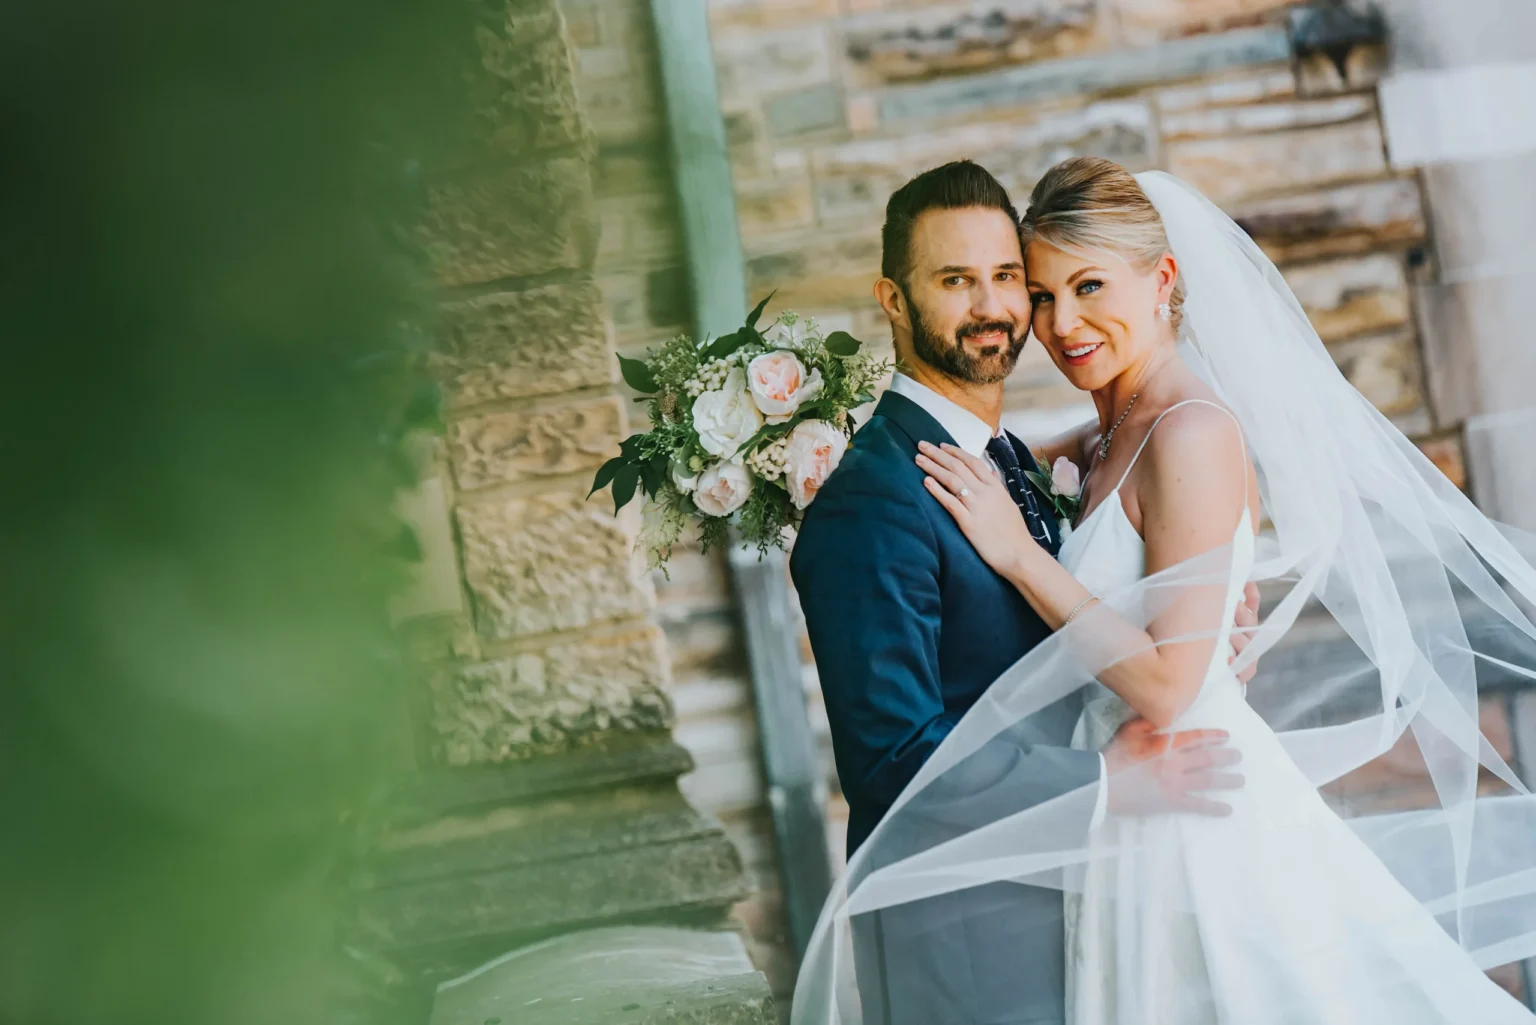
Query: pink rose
<point x="722" y="489"/>
<point x="1065" y="479"/>
<point x="779" y="384"/>
<point x="815" y="448"/>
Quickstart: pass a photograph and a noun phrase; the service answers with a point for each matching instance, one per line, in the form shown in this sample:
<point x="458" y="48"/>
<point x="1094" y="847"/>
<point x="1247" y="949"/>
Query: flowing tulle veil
<point x="1388" y="597"/>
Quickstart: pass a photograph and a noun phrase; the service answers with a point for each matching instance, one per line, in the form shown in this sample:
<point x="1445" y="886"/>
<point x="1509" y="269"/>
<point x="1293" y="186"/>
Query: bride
<point x="1229" y="448"/>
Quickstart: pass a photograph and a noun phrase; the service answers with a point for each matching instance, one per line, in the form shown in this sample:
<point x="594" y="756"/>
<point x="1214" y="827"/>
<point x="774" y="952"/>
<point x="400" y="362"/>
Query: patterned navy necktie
<point x="1007" y="460"/>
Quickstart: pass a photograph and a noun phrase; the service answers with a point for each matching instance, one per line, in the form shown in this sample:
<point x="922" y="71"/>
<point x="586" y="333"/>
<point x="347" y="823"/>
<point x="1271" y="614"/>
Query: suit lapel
<point x="914" y="421"/>
<point x="917" y="424"/>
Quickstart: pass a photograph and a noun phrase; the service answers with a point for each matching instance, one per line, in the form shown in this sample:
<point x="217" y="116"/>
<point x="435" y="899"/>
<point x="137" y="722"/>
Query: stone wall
<point x="547" y="803"/>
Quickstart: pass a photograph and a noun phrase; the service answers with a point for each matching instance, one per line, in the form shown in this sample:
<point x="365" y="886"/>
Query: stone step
<point x="624" y="975"/>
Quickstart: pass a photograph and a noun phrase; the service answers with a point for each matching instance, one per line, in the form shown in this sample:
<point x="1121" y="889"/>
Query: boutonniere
<point x="1063" y="485"/>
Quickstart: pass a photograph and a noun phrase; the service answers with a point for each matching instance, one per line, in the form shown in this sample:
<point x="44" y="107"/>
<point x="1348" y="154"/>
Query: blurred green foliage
<point x="214" y="308"/>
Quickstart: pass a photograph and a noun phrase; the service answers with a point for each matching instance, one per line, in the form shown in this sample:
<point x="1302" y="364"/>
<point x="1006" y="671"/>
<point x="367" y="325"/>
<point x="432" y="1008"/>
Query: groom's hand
<point x="1246" y="619"/>
<point x="1150" y="773"/>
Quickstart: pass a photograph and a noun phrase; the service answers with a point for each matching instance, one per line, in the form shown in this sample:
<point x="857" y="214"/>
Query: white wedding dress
<point x="1277" y="914"/>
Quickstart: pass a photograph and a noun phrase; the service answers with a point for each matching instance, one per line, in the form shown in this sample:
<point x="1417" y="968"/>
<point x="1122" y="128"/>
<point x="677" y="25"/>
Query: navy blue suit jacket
<point x="909" y="627"/>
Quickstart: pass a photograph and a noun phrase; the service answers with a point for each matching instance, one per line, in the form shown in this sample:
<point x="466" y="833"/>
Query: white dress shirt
<point x="972" y="433"/>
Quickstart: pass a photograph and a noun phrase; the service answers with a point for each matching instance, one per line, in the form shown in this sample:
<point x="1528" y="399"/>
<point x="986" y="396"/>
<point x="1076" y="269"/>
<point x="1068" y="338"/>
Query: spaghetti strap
<point x="1204" y="402"/>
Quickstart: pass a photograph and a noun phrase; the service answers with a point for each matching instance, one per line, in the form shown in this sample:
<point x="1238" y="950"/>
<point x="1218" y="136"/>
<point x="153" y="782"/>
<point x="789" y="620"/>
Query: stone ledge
<point x="625" y="975"/>
<point x="445" y="924"/>
<point x="628" y="760"/>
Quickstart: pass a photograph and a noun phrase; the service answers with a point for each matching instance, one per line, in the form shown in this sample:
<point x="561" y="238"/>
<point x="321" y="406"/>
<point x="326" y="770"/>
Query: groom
<point x="909" y="626"/>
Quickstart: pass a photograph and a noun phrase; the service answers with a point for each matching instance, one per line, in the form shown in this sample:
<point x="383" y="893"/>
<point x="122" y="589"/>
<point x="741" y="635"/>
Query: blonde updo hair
<point x="1088" y="203"/>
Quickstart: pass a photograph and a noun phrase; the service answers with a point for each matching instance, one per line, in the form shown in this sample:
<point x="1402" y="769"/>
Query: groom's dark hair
<point x="954" y="186"/>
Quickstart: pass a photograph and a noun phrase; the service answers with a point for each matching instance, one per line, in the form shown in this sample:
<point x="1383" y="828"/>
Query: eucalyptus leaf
<point x="638" y="376"/>
<point x="1039" y="480"/>
<point x="841" y="343"/>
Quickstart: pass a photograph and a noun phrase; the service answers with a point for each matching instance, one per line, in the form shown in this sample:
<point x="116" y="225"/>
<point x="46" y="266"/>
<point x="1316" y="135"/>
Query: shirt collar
<point x="970" y="431"/>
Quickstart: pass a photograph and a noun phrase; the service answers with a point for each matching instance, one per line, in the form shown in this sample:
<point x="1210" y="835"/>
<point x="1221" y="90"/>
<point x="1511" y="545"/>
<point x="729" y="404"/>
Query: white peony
<point x="814" y="450"/>
<point x="722" y="489"/>
<point x="726" y="417"/>
<point x="1065" y="479"/>
<point x="779" y="384"/>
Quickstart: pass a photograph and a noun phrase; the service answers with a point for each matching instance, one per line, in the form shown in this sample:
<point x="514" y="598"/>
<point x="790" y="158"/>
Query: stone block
<point x="1145" y="22"/>
<point x="1477" y="343"/>
<point x="1385" y="369"/>
<point x="823" y="272"/>
<point x="752" y="64"/>
<point x="498" y="222"/>
<point x="777" y="206"/>
<point x="624" y="975"/>
<point x="817" y="109"/>
<point x="1239" y="119"/>
<point x="549" y="562"/>
<point x="521" y="89"/>
<point x="1248" y="85"/>
<point x="1229" y="168"/>
<point x="956" y="39"/>
<point x="1338" y="221"/>
<point x="458" y="921"/>
<point x="1097" y="74"/>
<point x="1354" y="296"/>
<point x="529" y="444"/>
<point x="511" y="345"/>
<point x="558" y="697"/>
<point x="623" y="111"/>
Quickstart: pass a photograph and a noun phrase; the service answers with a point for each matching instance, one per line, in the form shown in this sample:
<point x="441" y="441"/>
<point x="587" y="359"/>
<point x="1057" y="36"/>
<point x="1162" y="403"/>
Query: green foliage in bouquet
<point x="744" y="429"/>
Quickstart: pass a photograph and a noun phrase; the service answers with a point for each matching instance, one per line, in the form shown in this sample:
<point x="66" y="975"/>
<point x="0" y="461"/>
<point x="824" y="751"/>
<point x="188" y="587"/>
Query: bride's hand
<point x="980" y="504"/>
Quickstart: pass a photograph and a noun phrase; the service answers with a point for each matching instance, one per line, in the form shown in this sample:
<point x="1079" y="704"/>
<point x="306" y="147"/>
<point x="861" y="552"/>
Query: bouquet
<point x="745" y="429"/>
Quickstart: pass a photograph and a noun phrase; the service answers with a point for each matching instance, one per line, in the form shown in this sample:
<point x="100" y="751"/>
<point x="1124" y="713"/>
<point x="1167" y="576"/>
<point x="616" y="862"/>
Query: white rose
<point x="814" y="450"/>
<point x="780" y="384"/>
<point x="723" y="488"/>
<point x="726" y="418"/>
<point x="1065" y="479"/>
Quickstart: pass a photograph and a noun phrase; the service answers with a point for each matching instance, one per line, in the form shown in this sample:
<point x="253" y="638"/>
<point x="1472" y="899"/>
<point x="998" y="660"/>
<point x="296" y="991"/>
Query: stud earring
<point x="1165" y="311"/>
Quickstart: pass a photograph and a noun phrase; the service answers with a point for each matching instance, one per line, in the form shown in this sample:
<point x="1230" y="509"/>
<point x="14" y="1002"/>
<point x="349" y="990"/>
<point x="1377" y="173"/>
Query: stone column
<point x="547" y="803"/>
<point x="1477" y="329"/>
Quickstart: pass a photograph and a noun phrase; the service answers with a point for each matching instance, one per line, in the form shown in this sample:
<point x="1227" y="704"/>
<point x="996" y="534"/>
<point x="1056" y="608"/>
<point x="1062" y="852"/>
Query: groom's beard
<point x="950" y="356"/>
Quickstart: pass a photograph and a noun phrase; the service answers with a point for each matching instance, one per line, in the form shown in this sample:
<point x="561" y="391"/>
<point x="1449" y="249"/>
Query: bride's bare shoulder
<point x="1197" y="454"/>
